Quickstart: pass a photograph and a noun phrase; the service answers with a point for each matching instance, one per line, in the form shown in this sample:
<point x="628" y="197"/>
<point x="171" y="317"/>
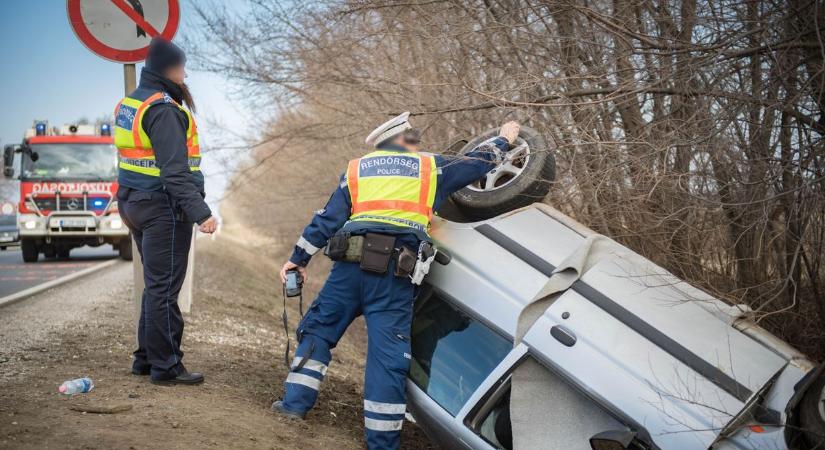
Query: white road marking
<point x="17" y="296"/>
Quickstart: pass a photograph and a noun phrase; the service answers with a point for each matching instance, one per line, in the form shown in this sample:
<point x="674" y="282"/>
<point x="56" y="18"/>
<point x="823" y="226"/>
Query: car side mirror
<point x="612" y="440"/>
<point x="8" y="161"/>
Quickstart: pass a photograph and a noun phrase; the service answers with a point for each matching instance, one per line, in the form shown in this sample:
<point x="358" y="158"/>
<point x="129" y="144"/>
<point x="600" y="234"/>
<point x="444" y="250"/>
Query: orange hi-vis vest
<point x="393" y="187"/>
<point x="134" y="146"/>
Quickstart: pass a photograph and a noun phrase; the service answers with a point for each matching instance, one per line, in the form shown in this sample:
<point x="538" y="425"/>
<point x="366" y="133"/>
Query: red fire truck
<point x="68" y="187"/>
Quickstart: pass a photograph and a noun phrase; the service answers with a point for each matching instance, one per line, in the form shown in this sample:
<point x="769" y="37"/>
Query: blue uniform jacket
<point x="166" y="126"/>
<point x="454" y="173"/>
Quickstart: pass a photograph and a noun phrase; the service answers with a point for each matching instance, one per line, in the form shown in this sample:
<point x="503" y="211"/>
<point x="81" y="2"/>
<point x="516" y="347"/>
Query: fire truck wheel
<point x="63" y="252"/>
<point x="29" y="250"/>
<point x="124" y="249"/>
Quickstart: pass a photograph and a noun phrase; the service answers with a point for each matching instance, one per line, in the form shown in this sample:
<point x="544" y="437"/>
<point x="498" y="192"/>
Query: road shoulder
<point x="28" y="292"/>
<point x="85" y="328"/>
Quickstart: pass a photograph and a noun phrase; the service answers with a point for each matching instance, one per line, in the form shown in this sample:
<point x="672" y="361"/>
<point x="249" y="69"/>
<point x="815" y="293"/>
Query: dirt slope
<point x="233" y="335"/>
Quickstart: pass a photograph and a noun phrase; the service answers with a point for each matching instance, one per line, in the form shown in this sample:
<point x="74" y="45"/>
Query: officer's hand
<point x="209" y="225"/>
<point x="510" y="131"/>
<point x="290" y="266"/>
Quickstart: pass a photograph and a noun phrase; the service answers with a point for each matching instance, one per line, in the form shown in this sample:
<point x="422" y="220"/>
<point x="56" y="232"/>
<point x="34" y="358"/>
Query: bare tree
<point x="689" y="130"/>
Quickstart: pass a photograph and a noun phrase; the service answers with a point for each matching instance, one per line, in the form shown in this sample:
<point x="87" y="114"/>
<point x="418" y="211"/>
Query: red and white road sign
<point x="120" y="30"/>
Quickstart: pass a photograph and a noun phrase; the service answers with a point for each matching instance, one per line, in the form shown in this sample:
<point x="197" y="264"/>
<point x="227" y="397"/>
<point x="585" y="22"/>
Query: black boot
<point x="184" y="378"/>
<point x="141" y="367"/>
<point x="141" y="371"/>
<point x="278" y="407"/>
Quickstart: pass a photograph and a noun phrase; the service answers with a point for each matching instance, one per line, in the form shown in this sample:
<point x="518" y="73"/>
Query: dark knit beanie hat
<point x="163" y="54"/>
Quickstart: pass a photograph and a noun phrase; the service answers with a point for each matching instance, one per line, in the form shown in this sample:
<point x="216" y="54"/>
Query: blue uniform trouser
<point x="163" y="241"/>
<point x="386" y="302"/>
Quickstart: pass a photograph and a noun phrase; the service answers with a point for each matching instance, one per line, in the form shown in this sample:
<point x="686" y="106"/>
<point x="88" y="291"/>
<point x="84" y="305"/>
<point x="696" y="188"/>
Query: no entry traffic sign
<point x="120" y="30"/>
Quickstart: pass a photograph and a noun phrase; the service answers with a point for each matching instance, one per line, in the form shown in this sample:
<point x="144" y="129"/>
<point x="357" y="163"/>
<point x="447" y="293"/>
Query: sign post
<point x="129" y="85"/>
<point x="129" y="78"/>
<point x="120" y="31"/>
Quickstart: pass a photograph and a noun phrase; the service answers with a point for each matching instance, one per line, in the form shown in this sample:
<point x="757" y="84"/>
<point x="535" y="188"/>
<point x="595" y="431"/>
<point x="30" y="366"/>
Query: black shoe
<point x="142" y="371"/>
<point x="184" y="378"/>
<point x="278" y="407"/>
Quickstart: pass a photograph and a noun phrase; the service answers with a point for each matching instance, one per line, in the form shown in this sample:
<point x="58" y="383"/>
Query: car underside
<point x="541" y="333"/>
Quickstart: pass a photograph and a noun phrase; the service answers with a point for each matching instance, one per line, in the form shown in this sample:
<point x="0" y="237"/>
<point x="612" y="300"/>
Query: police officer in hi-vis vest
<point x="161" y="195"/>
<point x="376" y="224"/>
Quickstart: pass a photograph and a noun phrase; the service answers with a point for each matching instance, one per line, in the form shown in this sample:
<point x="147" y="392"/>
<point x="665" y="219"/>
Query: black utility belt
<point x="373" y="251"/>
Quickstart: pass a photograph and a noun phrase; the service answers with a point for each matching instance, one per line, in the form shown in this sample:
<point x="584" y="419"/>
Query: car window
<point x="576" y="417"/>
<point x="452" y="354"/>
<point x="495" y="428"/>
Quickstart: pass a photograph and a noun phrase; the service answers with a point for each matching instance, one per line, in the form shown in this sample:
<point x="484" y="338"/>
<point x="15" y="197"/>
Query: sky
<point x="47" y="73"/>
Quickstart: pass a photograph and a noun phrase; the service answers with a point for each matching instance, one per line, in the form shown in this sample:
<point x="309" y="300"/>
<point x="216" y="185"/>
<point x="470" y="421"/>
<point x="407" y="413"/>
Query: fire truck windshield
<point x="71" y="161"/>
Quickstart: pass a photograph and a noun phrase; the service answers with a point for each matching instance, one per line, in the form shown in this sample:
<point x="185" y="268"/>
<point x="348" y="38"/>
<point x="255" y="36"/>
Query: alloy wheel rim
<point x="512" y="165"/>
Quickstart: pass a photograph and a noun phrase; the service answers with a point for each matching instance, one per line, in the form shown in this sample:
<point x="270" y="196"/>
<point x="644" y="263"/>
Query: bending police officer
<point x="161" y="195"/>
<point x="384" y="204"/>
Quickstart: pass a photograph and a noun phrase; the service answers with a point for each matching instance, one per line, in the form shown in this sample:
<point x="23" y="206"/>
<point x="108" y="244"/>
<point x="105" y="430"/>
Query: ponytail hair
<point x="187" y="97"/>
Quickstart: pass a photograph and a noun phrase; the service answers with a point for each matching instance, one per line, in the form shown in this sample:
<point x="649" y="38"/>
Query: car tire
<point x="812" y="413"/>
<point x="124" y="248"/>
<point x="530" y="185"/>
<point x="29" y="250"/>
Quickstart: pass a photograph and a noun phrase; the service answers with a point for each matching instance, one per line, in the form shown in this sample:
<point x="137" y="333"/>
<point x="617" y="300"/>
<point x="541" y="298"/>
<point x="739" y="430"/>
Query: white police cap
<point x="388" y="129"/>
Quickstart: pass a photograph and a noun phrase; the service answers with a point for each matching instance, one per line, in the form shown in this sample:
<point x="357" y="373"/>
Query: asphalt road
<point x="15" y="275"/>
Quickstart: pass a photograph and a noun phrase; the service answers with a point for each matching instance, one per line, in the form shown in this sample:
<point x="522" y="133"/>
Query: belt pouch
<point x="406" y="262"/>
<point x="337" y="246"/>
<point x="378" y="248"/>
<point x="354" y="249"/>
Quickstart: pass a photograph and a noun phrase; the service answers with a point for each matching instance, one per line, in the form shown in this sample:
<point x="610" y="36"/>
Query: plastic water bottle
<point x="78" y="386"/>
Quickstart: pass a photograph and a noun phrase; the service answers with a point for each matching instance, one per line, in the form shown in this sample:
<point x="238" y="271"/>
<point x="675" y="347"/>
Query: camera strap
<point x="285" y="318"/>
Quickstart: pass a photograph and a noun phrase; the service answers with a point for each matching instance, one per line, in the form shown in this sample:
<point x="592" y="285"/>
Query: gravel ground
<point x="30" y="323"/>
<point x="233" y="335"/>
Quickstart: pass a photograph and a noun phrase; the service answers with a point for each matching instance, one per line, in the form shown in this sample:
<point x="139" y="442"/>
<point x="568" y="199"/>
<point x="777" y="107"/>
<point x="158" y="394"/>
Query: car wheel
<point x="812" y="413"/>
<point x="29" y="250"/>
<point x="124" y="248"/>
<point x="523" y="177"/>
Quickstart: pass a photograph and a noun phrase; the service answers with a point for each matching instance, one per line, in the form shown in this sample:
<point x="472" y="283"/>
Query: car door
<point x="460" y="384"/>
<point x="456" y="360"/>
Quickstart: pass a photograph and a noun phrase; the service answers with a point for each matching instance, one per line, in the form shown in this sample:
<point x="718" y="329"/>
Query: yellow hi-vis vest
<point x="135" y="152"/>
<point x="393" y="187"/>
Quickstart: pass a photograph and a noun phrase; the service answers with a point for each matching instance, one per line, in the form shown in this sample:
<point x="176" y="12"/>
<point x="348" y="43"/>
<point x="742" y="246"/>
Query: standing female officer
<point x="161" y="194"/>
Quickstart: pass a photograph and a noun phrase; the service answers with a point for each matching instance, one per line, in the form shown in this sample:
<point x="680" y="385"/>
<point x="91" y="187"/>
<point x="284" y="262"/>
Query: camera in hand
<point x="294" y="283"/>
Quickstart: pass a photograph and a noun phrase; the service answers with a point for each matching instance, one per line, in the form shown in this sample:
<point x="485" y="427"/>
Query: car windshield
<point x="71" y="162"/>
<point x="452" y="353"/>
<point x="7" y="220"/>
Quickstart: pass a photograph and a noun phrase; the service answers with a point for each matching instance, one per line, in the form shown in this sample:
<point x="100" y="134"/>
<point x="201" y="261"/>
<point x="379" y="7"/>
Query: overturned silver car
<point x="541" y="333"/>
